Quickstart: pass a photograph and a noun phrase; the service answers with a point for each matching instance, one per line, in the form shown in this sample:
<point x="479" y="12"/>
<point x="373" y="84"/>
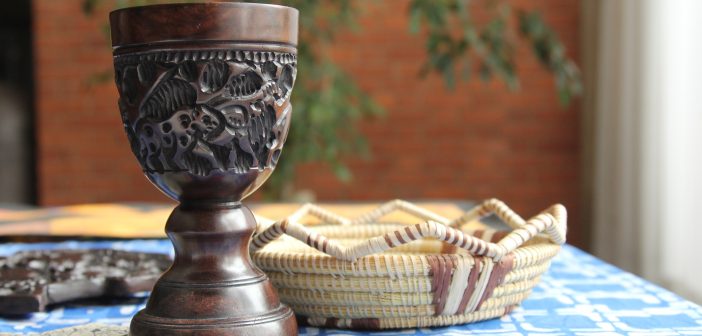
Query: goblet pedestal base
<point x="213" y="288"/>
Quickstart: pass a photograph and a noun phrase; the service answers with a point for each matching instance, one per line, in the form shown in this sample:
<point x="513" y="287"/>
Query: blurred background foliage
<point x="328" y="104"/>
<point x="456" y="43"/>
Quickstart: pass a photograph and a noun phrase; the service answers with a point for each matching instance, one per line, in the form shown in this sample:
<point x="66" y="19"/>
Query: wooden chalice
<point x="205" y="100"/>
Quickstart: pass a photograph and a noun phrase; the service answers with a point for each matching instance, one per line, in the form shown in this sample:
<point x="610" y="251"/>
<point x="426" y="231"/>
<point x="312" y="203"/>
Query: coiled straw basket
<point x="361" y="274"/>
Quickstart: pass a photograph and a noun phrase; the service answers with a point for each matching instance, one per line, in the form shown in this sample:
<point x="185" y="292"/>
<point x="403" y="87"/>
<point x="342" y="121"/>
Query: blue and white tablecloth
<point x="580" y="295"/>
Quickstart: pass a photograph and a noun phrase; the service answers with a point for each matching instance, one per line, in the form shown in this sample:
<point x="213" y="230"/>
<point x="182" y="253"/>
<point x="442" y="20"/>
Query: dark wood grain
<point x="205" y="100"/>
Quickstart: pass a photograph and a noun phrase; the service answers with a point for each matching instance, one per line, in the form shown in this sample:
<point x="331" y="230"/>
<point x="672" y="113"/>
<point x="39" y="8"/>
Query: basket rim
<point x="551" y="222"/>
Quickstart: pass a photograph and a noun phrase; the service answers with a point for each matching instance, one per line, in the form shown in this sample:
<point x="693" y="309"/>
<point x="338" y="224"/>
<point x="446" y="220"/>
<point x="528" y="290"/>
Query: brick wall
<point x="477" y="141"/>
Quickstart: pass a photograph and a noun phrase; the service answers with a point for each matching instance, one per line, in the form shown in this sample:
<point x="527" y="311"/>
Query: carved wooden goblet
<point x="204" y="97"/>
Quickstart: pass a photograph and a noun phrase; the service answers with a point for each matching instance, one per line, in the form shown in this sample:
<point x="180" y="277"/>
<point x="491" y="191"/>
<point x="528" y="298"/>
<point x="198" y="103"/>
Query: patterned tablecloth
<point x="580" y="295"/>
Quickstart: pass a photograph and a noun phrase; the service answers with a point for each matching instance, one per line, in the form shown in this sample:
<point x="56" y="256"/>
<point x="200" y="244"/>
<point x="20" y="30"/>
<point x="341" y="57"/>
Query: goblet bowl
<point x="208" y="118"/>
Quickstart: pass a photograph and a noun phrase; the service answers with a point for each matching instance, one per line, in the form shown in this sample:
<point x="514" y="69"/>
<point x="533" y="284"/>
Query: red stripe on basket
<point x="450" y="237"/>
<point x="408" y="230"/>
<point x="315" y="241"/>
<point x="399" y="237"/>
<point x="450" y="261"/>
<point x="442" y="268"/>
<point x="434" y="267"/>
<point x="468" y="244"/>
<point x="419" y="229"/>
<point x="388" y="240"/>
<point x="499" y="271"/>
<point x="470" y="288"/>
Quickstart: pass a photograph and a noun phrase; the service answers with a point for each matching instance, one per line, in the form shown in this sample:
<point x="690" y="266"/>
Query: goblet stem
<point x="212" y="287"/>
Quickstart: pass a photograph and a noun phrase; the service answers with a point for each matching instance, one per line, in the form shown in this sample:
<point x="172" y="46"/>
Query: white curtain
<point x="642" y="63"/>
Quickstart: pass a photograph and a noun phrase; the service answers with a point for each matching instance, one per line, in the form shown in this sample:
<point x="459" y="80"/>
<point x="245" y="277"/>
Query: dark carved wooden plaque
<point x="31" y="280"/>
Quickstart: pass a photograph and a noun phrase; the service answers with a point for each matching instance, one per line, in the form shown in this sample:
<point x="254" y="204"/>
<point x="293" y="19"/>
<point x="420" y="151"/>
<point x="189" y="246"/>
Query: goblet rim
<point x="206" y="4"/>
<point x="232" y="22"/>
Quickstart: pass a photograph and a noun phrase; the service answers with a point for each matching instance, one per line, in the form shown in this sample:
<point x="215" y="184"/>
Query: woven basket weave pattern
<point x="361" y="274"/>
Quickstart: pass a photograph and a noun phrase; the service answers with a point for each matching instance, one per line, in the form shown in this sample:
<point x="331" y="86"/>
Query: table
<point x="580" y="295"/>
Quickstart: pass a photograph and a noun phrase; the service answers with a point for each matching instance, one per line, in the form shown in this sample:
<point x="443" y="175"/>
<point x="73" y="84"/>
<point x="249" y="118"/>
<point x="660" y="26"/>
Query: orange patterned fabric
<point x="147" y="221"/>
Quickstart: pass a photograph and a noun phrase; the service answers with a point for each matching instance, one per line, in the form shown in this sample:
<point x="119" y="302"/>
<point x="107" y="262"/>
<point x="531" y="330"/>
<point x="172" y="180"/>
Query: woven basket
<point x="361" y="274"/>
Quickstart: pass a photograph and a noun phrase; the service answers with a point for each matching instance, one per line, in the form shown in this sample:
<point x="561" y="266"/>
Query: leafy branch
<point x="327" y="102"/>
<point x="457" y="43"/>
